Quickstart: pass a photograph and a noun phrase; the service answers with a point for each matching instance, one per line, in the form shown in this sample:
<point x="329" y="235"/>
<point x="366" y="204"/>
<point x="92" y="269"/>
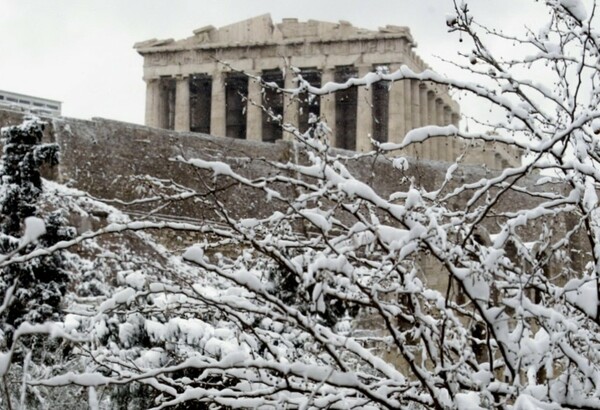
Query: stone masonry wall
<point x="110" y="159"/>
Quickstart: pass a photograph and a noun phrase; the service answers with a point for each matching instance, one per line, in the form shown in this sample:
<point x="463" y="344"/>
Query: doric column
<point x="290" y="106"/>
<point x="439" y="120"/>
<point x="217" y="105"/>
<point x="458" y="143"/>
<point x="253" y="112"/>
<point x="451" y="153"/>
<point x="163" y="108"/>
<point x="447" y="115"/>
<point x="424" y="105"/>
<point x="152" y="116"/>
<point x="431" y="107"/>
<point x="439" y="112"/>
<point x="424" y="117"/>
<point x="408" y="117"/>
<point x="417" y="149"/>
<point x="416" y="103"/>
<point x="328" y="103"/>
<point x="408" y="113"/>
<point x="182" y="104"/>
<point x="397" y="118"/>
<point x="455" y="120"/>
<point x="364" y="116"/>
<point x="432" y="119"/>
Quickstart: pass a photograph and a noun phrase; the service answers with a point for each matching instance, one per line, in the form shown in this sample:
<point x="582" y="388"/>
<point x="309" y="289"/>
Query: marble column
<point x="424" y="117"/>
<point x="364" y="116"/>
<point x="408" y="114"/>
<point x="254" y="112"/>
<point x="328" y="103"/>
<point x="431" y="107"/>
<point x="397" y="118"/>
<point x="439" y="112"/>
<point x="182" y="104"/>
<point x="432" y="120"/>
<point x="152" y="115"/>
<point x="290" y="106"/>
<point x="447" y="115"/>
<point x="217" y="105"/>
<point x="455" y="120"/>
<point x="451" y="145"/>
<point x="417" y="149"/>
<point x="416" y="103"/>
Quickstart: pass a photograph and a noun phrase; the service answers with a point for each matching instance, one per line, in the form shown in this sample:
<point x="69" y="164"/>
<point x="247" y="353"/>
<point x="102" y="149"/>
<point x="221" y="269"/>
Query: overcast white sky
<point x="80" y="52"/>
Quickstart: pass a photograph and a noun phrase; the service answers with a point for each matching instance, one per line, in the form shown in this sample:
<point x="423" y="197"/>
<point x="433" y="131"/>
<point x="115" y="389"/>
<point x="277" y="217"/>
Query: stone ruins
<point x="190" y="89"/>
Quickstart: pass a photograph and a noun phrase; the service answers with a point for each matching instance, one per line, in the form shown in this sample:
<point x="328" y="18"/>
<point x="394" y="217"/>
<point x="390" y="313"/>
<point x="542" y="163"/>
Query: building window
<point x="345" y="109"/>
<point x="381" y="105"/>
<point x="200" y="102"/>
<point x="167" y="103"/>
<point x="273" y="102"/>
<point x="309" y="105"/>
<point x="236" y="93"/>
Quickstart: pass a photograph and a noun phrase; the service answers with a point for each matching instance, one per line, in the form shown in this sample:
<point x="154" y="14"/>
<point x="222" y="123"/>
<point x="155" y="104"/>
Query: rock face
<point x="111" y="160"/>
<point x="190" y="89"/>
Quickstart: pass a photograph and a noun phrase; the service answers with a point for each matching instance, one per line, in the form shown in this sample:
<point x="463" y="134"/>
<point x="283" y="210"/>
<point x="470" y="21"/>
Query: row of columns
<point x="412" y="104"/>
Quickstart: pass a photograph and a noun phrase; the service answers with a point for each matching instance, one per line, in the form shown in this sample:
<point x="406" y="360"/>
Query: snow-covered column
<point x="364" y="116"/>
<point x="290" y="106"/>
<point x="182" y="104"/>
<point x="328" y="103"/>
<point x="217" y="105"/>
<point x="152" y="102"/>
<point x="396" y="116"/>
<point x="253" y="112"/>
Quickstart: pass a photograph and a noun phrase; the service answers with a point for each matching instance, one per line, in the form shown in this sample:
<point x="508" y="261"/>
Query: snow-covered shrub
<point x="36" y="286"/>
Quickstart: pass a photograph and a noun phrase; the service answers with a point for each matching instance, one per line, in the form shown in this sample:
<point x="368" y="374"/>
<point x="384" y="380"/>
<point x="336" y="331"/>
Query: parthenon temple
<point x="190" y="89"/>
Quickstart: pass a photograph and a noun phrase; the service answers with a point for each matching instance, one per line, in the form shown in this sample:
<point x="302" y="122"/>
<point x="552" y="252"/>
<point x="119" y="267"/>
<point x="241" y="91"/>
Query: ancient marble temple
<point x="189" y="89"/>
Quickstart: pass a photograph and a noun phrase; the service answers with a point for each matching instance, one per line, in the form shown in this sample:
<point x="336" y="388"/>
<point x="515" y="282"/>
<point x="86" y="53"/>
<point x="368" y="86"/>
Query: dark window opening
<point x="200" y="102"/>
<point x="345" y="109"/>
<point x="1" y="97"/>
<point x="167" y="103"/>
<point x="273" y="102"/>
<point x="381" y="104"/>
<point x="12" y="99"/>
<point x="309" y="105"/>
<point x="54" y="107"/>
<point x="236" y="92"/>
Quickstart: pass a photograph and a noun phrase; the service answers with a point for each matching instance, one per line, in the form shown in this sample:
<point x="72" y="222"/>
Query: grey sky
<point x="80" y="52"/>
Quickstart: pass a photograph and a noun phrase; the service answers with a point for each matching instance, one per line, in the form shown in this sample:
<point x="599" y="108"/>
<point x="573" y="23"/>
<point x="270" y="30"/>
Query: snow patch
<point x="34" y="228"/>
